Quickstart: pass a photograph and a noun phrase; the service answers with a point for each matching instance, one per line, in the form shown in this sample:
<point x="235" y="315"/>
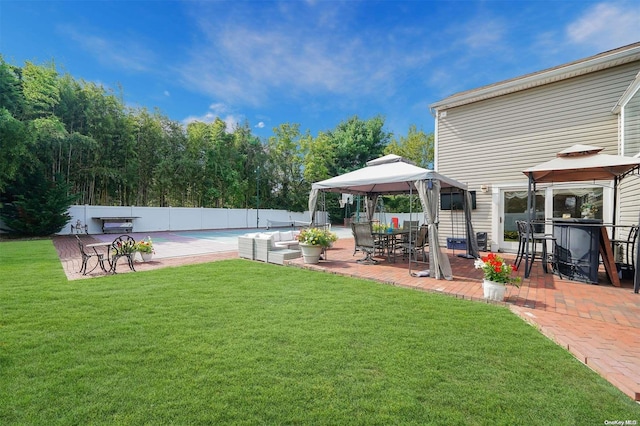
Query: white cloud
<point x="166" y="93"/>
<point x="483" y="33"/>
<point x="607" y="26"/>
<point x="217" y="110"/>
<point x="125" y="53"/>
<point x="260" y="125"/>
<point x="246" y="61"/>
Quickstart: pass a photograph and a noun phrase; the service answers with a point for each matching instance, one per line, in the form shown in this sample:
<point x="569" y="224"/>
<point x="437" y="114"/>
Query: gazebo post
<point x="636" y="275"/>
<point x="616" y="180"/>
<point x="531" y="205"/>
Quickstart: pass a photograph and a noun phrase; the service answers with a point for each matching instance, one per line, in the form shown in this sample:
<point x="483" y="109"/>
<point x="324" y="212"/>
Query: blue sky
<point x="315" y="63"/>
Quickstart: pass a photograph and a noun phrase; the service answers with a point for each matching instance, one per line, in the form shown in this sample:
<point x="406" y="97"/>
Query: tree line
<point x="65" y="140"/>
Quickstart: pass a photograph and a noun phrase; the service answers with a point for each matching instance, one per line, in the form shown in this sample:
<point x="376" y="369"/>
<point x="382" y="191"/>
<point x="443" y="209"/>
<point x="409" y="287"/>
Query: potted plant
<point x="497" y="275"/>
<point x="313" y="240"/>
<point x="588" y="210"/>
<point x="145" y="248"/>
<point x="380" y="228"/>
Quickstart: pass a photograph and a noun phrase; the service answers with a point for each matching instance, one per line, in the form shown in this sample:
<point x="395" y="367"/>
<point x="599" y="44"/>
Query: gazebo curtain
<point x="429" y="193"/>
<point x="472" y="240"/>
<point x="313" y="200"/>
<point x="370" y="205"/>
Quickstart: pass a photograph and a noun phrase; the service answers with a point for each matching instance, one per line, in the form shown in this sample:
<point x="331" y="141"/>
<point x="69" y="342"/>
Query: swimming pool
<point x="190" y="243"/>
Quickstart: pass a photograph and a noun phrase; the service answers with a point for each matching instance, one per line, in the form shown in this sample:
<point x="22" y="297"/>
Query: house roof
<point x="390" y="174"/>
<point x="608" y="59"/>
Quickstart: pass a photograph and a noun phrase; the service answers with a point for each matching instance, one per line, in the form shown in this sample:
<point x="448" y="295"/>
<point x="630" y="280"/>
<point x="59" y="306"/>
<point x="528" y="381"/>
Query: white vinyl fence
<point x="149" y="219"/>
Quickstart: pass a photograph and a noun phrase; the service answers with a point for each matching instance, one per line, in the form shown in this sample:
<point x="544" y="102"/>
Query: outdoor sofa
<point x="272" y="247"/>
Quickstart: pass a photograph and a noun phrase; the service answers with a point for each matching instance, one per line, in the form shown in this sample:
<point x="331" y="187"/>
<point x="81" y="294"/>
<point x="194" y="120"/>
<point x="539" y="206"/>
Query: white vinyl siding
<point x="629" y="200"/>
<point x="492" y="141"/>
<point x="631" y="126"/>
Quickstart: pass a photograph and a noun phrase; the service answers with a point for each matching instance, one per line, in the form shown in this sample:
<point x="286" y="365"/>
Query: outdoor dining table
<point x="389" y="240"/>
<point x="102" y="244"/>
<point x="111" y="260"/>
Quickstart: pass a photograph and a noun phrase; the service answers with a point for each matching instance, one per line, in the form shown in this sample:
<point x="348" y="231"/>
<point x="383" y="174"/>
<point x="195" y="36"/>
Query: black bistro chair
<point x="628" y="252"/>
<point x="86" y="258"/>
<point x="535" y="238"/>
<point x="123" y="246"/>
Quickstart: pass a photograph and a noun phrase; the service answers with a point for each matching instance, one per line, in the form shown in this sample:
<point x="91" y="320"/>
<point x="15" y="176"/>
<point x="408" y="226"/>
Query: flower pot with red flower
<point x="497" y="275"/>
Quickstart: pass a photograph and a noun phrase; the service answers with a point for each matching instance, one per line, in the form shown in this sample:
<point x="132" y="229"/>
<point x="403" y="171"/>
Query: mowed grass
<point x="240" y="342"/>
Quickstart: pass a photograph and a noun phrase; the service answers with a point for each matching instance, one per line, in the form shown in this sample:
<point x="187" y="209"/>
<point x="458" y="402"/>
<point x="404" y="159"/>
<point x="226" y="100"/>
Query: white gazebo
<point x="393" y="174"/>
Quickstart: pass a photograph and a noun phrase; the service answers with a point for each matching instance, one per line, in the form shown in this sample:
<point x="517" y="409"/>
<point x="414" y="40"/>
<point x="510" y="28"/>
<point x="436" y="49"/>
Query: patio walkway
<point x="598" y="324"/>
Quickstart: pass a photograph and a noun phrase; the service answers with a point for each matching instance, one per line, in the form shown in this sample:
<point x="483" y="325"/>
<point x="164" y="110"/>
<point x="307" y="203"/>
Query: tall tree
<point x="250" y="156"/>
<point x="289" y="190"/>
<point x="150" y="140"/>
<point x="40" y="88"/>
<point x="13" y="146"/>
<point x="417" y="147"/>
<point x="220" y="162"/>
<point x="11" y="96"/>
<point x="50" y="138"/>
<point x="168" y="175"/>
<point x="319" y="157"/>
<point x="357" y="141"/>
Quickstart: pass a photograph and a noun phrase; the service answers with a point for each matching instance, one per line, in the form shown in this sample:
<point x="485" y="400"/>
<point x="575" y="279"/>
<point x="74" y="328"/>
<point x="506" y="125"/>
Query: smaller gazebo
<point x="581" y="163"/>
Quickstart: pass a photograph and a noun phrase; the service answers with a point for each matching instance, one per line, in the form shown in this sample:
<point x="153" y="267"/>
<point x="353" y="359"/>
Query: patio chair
<point x="86" y="257"/>
<point x="410" y="224"/>
<point x="534" y="237"/>
<point x="364" y="241"/>
<point x="123" y="246"/>
<point x="418" y="245"/>
<point x="629" y="245"/>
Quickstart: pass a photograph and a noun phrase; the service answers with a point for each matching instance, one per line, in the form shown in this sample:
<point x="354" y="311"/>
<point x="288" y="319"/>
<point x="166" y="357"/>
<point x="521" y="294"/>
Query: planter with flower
<point x="145" y="248"/>
<point x="313" y="240"/>
<point x="589" y="210"/>
<point x="497" y="274"/>
<point x="380" y="228"/>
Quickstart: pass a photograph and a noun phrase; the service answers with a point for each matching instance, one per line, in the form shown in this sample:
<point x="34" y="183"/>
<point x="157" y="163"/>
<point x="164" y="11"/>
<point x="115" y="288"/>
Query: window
<point x="577" y="202"/>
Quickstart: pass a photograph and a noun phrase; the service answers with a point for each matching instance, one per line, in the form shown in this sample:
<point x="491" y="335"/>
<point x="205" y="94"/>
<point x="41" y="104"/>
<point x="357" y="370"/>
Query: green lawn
<point x="240" y="342"/>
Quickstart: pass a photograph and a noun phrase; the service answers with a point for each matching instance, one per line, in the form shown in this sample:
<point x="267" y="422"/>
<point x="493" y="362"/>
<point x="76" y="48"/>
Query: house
<point x="487" y="136"/>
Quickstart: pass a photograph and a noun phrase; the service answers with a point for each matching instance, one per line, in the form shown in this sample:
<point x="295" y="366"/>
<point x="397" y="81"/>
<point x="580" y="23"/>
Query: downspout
<point x="436" y="114"/>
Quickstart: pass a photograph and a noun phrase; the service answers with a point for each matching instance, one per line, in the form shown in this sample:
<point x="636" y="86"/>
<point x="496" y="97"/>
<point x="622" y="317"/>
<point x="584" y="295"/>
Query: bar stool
<point x="535" y="237"/>
<point x="629" y="243"/>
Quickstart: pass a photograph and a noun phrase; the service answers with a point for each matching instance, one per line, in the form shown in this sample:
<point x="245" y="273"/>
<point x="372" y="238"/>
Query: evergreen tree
<point x="34" y="206"/>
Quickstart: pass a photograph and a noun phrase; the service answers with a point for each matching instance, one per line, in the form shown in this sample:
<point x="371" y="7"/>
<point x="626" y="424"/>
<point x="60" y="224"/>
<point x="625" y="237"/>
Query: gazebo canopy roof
<point x="580" y="163"/>
<point x="390" y="174"/>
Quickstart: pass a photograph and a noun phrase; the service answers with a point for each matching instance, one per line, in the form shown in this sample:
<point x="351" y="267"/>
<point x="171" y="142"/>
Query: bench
<point x="117" y="225"/>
